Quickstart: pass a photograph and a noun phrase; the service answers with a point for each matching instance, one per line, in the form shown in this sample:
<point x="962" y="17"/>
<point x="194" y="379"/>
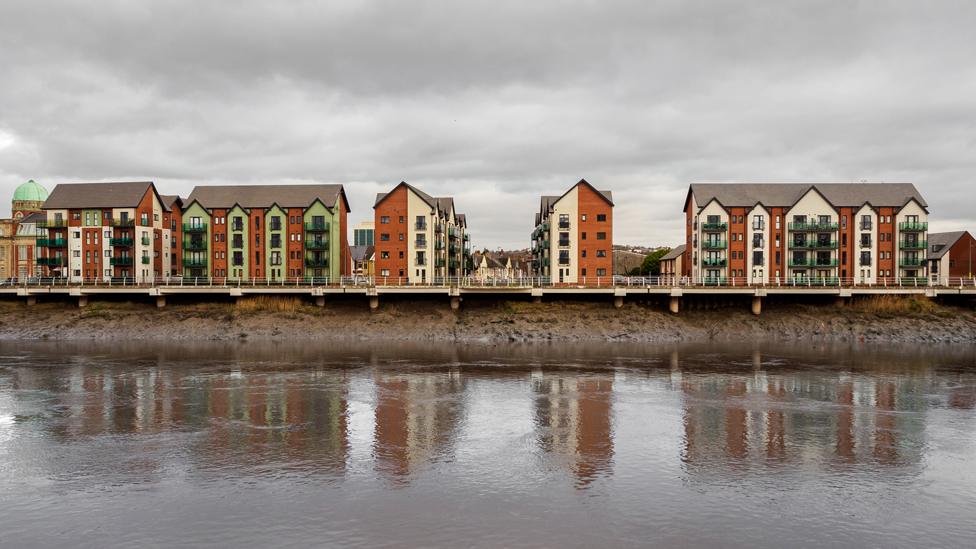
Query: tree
<point x="652" y="263"/>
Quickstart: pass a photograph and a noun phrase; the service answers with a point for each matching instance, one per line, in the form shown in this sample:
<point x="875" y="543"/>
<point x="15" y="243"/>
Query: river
<point x="292" y="445"/>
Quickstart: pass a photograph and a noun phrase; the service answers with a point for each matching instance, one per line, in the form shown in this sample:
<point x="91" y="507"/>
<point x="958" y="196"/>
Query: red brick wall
<point x="783" y="244"/>
<point x="888" y="245"/>
<point x="737" y="248"/>
<point x="296" y="265"/>
<point x="394" y="206"/>
<point x="962" y="257"/>
<point x="218" y="246"/>
<point x="592" y="204"/>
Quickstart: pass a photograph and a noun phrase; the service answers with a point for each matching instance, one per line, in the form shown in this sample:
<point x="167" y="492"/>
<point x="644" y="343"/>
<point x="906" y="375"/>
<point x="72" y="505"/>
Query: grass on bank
<point x="269" y="304"/>
<point x="893" y="305"/>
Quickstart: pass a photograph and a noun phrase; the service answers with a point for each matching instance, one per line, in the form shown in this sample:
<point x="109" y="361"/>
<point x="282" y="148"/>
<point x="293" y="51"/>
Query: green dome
<point x="30" y="191"/>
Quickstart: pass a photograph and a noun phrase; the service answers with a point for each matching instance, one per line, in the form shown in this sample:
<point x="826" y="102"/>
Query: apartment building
<point x="863" y="233"/>
<point x="951" y="256"/>
<point x="419" y="238"/>
<point x="573" y="236"/>
<point x="274" y="232"/>
<point x="173" y="218"/>
<point x="104" y="231"/>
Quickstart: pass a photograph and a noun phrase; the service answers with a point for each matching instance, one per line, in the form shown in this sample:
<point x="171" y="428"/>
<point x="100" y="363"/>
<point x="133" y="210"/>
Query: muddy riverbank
<point x="285" y="319"/>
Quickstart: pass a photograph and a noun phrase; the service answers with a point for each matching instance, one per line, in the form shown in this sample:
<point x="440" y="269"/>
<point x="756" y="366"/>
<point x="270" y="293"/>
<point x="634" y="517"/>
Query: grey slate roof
<point x="430" y="200"/>
<point x="33" y="218"/>
<point x="941" y="243"/>
<point x="170" y="200"/>
<point x="675" y="252"/>
<point x="787" y="194"/>
<point x="263" y="196"/>
<point x="546" y="201"/>
<point x="361" y="253"/>
<point x="125" y="194"/>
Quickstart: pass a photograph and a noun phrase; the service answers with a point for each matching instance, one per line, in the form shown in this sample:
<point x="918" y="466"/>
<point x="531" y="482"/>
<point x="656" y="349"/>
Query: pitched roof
<point x="263" y="196"/>
<point x="674" y="253"/>
<point x="787" y="194"/>
<point x="360" y="253"/>
<point x="941" y="243"/>
<point x="33" y="218"/>
<point x="430" y="200"/>
<point x="171" y="200"/>
<point x="546" y="202"/>
<point x="97" y="195"/>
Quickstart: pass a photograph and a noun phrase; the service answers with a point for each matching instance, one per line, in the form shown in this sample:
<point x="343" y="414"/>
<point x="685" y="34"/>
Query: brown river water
<point x="292" y="445"/>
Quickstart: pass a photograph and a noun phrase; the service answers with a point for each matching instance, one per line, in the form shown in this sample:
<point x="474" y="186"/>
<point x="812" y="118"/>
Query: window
<point x="275" y="223"/>
<point x="582" y="217"/>
<point x="582" y="236"/>
<point x="421" y="224"/>
<point x="601" y="217"/>
<point x="385" y="237"/>
<point x="757" y="258"/>
<point x="403" y="219"/>
<point x="601" y="253"/>
<point x="758" y="222"/>
<point x="276" y="240"/>
<point x="601" y="236"/>
<point x="563" y="221"/>
<point x="601" y="272"/>
<point x="384" y="255"/>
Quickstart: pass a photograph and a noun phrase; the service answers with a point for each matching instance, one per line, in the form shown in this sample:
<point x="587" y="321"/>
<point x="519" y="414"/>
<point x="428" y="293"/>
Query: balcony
<point x="317" y="245"/>
<point x="420" y="226"/>
<point x="194" y="245"/>
<point x="194" y="262"/>
<point x="438" y="263"/>
<point x="317" y="262"/>
<point x="913" y="244"/>
<point x="467" y="237"/>
<point x="911" y="262"/>
<point x="121" y="242"/>
<point x="438" y="228"/>
<point x="714" y="227"/>
<point x="713" y="262"/>
<point x="420" y="244"/>
<point x="813" y="263"/>
<point x="145" y="241"/>
<point x="52" y="261"/>
<point x="52" y="224"/>
<point x="913" y="226"/>
<point x="813" y="226"/>
<point x="124" y="222"/>
<point x="714" y="245"/>
<point x="439" y="245"/>
<point x="714" y="281"/>
<point x="313" y="227"/>
<point x="145" y="260"/>
<point x="51" y="243"/>
<point x="194" y="228"/>
<point x="120" y="260"/>
<point x="816" y="245"/>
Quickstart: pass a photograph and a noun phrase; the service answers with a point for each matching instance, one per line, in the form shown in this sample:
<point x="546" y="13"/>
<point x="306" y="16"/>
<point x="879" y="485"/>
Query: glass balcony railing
<point x="313" y="227"/>
<point x="814" y="263"/>
<point x="121" y="242"/>
<point x="813" y="226"/>
<point x="814" y="245"/>
<point x="319" y="262"/>
<point x="913" y="244"/>
<point x="316" y="244"/>
<point x="145" y="260"/>
<point x="913" y="226"/>
<point x="145" y="241"/>
<point x="194" y="228"/>
<point x="911" y="262"/>
<point x="120" y="260"/>
<point x="51" y="242"/>
<point x="52" y="261"/>
<point x="714" y="227"/>
<point x="194" y="245"/>
<point x="194" y="262"/>
<point x="52" y="224"/>
<point x="714" y="244"/>
<point x="713" y="262"/>
<point x="123" y="222"/>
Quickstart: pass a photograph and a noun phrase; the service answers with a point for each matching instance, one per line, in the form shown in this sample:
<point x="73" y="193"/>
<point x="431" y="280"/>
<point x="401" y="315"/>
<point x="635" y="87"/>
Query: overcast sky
<point x="494" y="102"/>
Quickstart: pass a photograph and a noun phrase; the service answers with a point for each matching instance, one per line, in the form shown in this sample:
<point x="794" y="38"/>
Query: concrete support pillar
<point x="82" y="300"/>
<point x="31" y="301"/>
<point x="160" y="301"/>
<point x="756" y="304"/>
<point x="455" y="303"/>
<point x="675" y="304"/>
<point x="374" y="302"/>
<point x="320" y="301"/>
<point x="618" y="301"/>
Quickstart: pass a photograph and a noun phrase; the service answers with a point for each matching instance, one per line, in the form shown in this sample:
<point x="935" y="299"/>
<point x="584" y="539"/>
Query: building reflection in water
<point x="416" y="420"/>
<point x="743" y="417"/>
<point x="253" y="420"/>
<point x="574" y="421"/>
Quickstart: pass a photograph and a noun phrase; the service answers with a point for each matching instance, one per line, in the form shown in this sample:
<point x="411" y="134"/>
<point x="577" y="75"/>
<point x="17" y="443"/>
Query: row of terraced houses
<point x="735" y="234"/>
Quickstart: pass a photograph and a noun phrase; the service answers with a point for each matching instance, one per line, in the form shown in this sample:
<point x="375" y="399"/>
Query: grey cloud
<point x="495" y="103"/>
